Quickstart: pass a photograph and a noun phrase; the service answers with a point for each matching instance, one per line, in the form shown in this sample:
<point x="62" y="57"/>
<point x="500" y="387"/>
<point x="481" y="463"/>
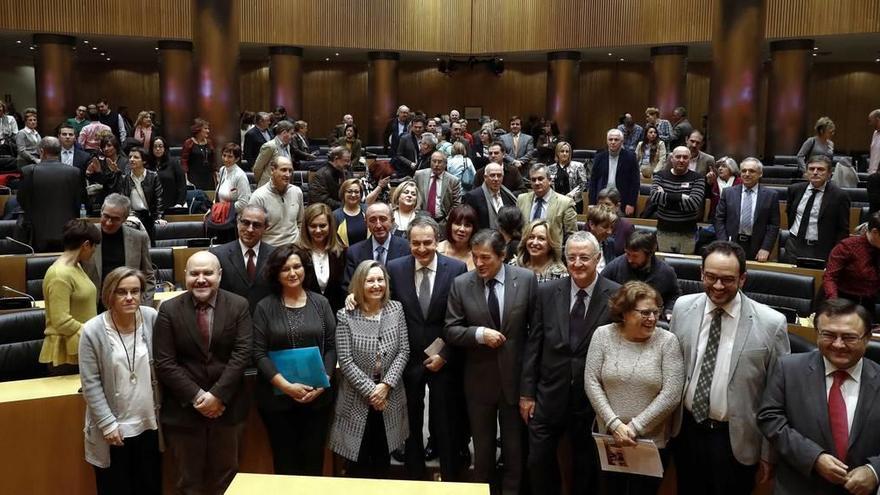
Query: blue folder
<point x="303" y="365"/>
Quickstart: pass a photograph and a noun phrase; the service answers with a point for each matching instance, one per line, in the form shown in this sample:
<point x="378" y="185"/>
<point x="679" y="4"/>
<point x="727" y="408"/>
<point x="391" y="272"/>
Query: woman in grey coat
<point x="122" y="437"/>
<point x="372" y="346"/>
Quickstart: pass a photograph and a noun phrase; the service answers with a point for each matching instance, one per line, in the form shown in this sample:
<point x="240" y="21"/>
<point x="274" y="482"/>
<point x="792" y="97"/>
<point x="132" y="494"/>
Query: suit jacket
<point x="299" y="148"/>
<point x="761" y="338"/>
<point x="450" y="189"/>
<point x="794" y="416"/>
<point x="513" y="179"/>
<point x="152" y="187"/>
<point x="324" y="186"/>
<point x="476" y="198"/>
<point x="50" y="195"/>
<point x="363" y="250"/>
<point x="705" y="162"/>
<point x="626" y="179"/>
<point x="833" y="221"/>
<point x="524" y="152"/>
<point x="334" y="291"/>
<point x="559" y="210"/>
<point x="765" y="225"/>
<point x="235" y="278"/>
<point x="137" y="255"/>
<point x="406" y="159"/>
<point x="487" y="370"/>
<point x="391" y="137"/>
<point x="184" y="365"/>
<point x="268" y="151"/>
<point x="423" y="330"/>
<point x="680" y="132"/>
<point x="253" y="140"/>
<point x="552" y="370"/>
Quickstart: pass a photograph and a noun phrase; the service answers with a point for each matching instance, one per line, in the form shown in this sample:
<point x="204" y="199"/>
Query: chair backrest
<point x="784" y="290"/>
<point x="785" y="160"/>
<point x="163" y="264"/>
<point x="21" y="338"/>
<point x="687" y="270"/>
<point x="800" y="344"/>
<point x="35" y="268"/>
<point x="177" y="233"/>
<point x="7" y="228"/>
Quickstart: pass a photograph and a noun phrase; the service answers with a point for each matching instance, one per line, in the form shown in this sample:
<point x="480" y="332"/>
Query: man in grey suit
<point x="820" y="409"/>
<point x="700" y="162"/>
<point x="488" y="314"/>
<point x="243" y="260"/>
<point x="729" y="343"/>
<point x="518" y="147"/>
<point x="756" y="226"/>
<point x="543" y="203"/>
<point x="443" y="186"/>
<point x="278" y="146"/>
<point x="120" y="246"/>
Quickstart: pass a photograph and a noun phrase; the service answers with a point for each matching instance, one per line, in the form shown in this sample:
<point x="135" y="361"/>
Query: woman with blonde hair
<point x="143" y="129"/>
<point x="405" y="204"/>
<point x="818" y="144"/>
<point x="540" y="252"/>
<point x="568" y="176"/>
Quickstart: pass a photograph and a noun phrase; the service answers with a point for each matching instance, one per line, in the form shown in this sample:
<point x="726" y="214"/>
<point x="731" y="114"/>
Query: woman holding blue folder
<point x="295" y="414"/>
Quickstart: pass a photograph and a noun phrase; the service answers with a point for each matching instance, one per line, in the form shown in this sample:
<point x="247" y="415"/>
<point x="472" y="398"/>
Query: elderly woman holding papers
<point x="296" y="414"/>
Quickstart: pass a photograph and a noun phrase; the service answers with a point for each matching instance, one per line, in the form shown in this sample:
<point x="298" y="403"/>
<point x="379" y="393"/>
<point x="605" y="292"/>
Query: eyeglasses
<point x="111" y="219"/>
<point x="711" y="278"/>
<point x="582" y="259"/>
<point x="248" y="223"/>
<point x="847" y="338"/>
<point x="127" y="292"/>
<point x="647" y="313"/>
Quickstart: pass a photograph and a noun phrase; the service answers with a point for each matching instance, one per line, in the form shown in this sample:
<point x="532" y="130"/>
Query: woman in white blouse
<point x="119" y="387"/>
<point x="318" y="236"/>
<point x="233" y="185"/>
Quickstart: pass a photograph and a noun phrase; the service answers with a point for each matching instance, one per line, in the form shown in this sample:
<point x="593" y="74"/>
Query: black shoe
<point x="398" y="455"/>
<point x="431" y="452"/>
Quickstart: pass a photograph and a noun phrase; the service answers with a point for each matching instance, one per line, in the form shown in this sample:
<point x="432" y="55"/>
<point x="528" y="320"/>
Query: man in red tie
<point x="820" y="409"/>
<point x="440" y="190"/>
<point x="202" y="344"/>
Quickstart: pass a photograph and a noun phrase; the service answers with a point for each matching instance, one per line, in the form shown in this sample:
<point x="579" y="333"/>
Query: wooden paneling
<point x="698" y="77"/>
<point x="846" y="93"/>
<point x="332" y="90"/>
<point x="795" y="18"/>
<point x="608" y="90"/>
<point x="133" y="85"/>
<point x="254" y="86"/>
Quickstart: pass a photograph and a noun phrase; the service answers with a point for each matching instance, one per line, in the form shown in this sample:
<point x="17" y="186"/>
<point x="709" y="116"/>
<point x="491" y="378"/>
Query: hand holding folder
<point x="303" y="365"/>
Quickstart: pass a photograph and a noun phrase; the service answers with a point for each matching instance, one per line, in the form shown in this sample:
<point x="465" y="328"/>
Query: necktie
<point x="516" y="146"/>
<point x="496" y="202"/>
<point x="745" y="219"/>
<point x="577" y="328"/>
<point x="805" y="218"/>
<point x="539" y="209"/>
<point x="380" y="254"/>
<point x="432" y="198"/>
<point x="700" y="407"/>
<point x="425" y="290"/>
<point x="204" y="325"/>
<point x="251" y="265"/>
<point x="494" y="307"/>
<point x="837" y="415"/>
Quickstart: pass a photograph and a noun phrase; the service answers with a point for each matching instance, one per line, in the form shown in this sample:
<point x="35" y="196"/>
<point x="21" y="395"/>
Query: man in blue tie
<point x="748" y="214"/>
<point x="380" y="246"/>
<point x="543" y="203"/>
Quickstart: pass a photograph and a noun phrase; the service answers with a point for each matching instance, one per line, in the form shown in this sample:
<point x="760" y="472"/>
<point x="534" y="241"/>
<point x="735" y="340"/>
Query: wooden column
<point x="736" y="77"/>
<point x="668" y="78"/>
<point x="53" y="68"/>
<point x="382" y="88"/>
<point x="563" y="90"/>
<point x="176" y="89"/>
<point x="285" y="79"/>
<point x="787" y="112"/>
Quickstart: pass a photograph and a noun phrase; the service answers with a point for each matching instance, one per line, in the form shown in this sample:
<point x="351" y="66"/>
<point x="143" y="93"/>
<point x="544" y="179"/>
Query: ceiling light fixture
<point x="610" y="54"/>
<point x="19" y="42"/>
<point x="86" y="41"/>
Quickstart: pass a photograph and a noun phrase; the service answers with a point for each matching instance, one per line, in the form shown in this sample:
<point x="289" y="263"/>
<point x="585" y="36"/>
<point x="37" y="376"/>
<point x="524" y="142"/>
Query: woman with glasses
<point x="634" y="378"/>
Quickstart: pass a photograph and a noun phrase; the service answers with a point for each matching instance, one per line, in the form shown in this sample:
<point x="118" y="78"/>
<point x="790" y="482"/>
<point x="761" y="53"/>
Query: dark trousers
<point x="135" y="467"/>
<point x="206" y="457"/>
<point x="705" y="463"/>
<point x="798" y="248"/>
<point x="373" y="459"/>
<point x="297" y="437"/>
<point x="483" y="416"/>
<point x="544" y="439"/>
<point x="634" y="484"/>
<point x="149" y="224"/>
<point x="441" y="415"/>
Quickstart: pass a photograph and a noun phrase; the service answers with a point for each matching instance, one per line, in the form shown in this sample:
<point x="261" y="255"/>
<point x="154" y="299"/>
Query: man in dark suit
<point x="243" y="260"/>
<point x="491" y="196"/>
<point x="202" y="345"/>
<point x="324" y="184"/>
<point x="339" y="129"/>
<point x="50" y="195"/>
<point x="257" y="136"/>
<point x="446" y="188"/>
<point x="380" y="246"/>
<point x="406" y="158"/>
<point x="489" y="314"/>
<point x="299" y="145"/>
<point x="394" y="130"/>
<point x="824" y="206"/>
<point x="624" y="173"/>
<point x="421" y="282"/>
<point x="681" y="128"/>
<point x="73" y="156"/>
<point x="552" y="398"/>
<point x="756" y="226"/>
<point x="820" y="409"/>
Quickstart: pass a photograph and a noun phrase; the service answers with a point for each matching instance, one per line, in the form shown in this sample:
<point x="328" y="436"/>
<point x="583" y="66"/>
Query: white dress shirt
<point x="544" y="207"/>
<point x="874" y="157"/>
<point x="849" y="389"/>
<point x="573" y="293"/>
<point x="612" y="170"/>
<point x="718" y="390"/>
<point x="813" y="225"/>
<point x="67" y="156"/>
<point x="244" y="250"/>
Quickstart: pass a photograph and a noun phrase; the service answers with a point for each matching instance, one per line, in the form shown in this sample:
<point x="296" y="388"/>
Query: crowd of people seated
<point x="459" y="275"/>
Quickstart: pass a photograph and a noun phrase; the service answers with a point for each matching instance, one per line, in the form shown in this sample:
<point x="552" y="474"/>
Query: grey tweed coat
<point x="357" y="342"/>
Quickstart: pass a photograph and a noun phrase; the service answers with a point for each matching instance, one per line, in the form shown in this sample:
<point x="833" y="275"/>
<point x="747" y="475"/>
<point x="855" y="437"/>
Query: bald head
<point x="203" y="276"/>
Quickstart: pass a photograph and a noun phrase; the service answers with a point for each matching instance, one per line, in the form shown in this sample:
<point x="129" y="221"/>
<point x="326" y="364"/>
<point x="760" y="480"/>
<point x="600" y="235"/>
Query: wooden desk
<point x="158" y="298"/>
<point x="185" y="218"/>
<point x="12" y="269"/>
<point x="247" y="484"/>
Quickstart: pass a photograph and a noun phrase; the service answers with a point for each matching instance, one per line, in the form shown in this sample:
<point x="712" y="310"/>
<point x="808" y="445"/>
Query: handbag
<point x="220" y="212"/>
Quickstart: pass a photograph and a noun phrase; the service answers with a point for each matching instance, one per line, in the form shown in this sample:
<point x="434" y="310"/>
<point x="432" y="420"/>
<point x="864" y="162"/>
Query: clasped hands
<point x="209" y="405"/>
<point x="302" y="393"/>
<point x="379" y="397"/>
<point x="859" y="481"/>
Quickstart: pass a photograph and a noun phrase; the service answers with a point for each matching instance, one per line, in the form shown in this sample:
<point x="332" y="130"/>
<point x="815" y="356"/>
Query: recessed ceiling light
<point x="815" y="54"/>
<point x="157" y="48"/>
<point x="815" y="48"/>
<point x="94" y="48"/>
<point x="501" y="60"/>
<point x="108" y="59"/>
<point x="327" y="59"/>
<point x="337" y="54"/>
<point x="102" y="54"/>
<point x="621" y="60"/>
<point x="86" y="41"/>
<point x="19" y="42"/>
<point x="32" y="48"/>
<point x="610" y="54"/>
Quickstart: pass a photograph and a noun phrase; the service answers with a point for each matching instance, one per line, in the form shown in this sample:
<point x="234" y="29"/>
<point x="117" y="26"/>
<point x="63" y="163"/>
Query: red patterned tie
<point x="251" y="265"/>
<point x="837" y="415"/>
<point x="204" y="325"/>
<point x="432" y="198"/>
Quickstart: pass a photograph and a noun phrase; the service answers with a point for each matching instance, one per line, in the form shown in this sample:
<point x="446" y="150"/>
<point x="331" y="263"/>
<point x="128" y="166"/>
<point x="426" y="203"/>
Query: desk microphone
<point x="27" y="301"/>
<point x="33" y="251"/>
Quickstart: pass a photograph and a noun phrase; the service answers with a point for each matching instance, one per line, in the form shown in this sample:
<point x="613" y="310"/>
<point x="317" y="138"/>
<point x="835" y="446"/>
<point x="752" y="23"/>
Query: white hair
<point x="614" y="131"/>
<point x="755" y="161"/>
<point x="582" y="236"/>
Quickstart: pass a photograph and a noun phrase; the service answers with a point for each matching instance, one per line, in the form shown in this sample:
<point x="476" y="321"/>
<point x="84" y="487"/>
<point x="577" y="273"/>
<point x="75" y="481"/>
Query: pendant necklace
<point x="132" y="377"/>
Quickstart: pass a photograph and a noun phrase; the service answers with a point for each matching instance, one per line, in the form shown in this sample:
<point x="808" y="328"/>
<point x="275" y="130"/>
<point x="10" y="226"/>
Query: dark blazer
<point x="184" y="365"/>
<point x="173" y="183"/>
<point x="81" y="159"/>
<point x="50" y="195"/>
<point x="833" y="222"/>
<point x="390" y="135"/>
<point x="794" y="417"/>
<point x="406" y="159"/>
<point x="551" y="368"/>
<point x="488" y="370"/>
<point x="324" y="186"/>
<point x="235" y="279"/>
<point x="422" y="330"/>
<point x="765" y="226"/>
<point x="626" y="180"/>
<point x="335" y="292"/>
<point x="253" y="139"/>
<point x="363" y="250"/>
<point x="477" y="200"/>
<point x="299" y="148"/>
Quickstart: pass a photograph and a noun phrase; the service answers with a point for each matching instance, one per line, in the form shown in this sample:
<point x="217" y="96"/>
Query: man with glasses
<point x="820" y="408"/>
<point x="80" y="120"/>
<point x="729" y="343"/>
<point x="243" y="259"/>
<point x="120" y="245"/>
<point x="552" y="397"/>
<point x="543" y="203"/>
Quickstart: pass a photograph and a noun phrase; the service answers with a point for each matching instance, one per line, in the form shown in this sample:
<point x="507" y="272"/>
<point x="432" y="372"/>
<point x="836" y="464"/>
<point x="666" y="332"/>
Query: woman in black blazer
<point x="326" y="267"/>
<point x="144" y="189"/>
<point x="171" y="175"/>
